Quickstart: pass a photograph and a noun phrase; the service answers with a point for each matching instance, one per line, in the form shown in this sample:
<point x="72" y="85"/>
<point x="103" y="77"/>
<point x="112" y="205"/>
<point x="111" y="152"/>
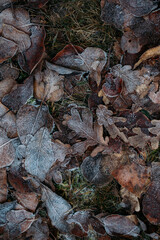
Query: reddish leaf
<point x="29" y="60"/>
<point x="37" y="3"/>
<point x="134" y="177"/>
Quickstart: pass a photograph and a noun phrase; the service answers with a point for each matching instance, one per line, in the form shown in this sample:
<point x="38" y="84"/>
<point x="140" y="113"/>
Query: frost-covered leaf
<point x="20" y="93"/>
<point x="57" y="209"/>
<point x="8" y="75"/>
<point x="39" y="230"/>
<point x="7" y="49"/>
<point x="81" y="221"/>
<point x="48" y="86"/>
<point x="8" y="121"/>
<point x="29" y="59"/>
<point x="4" y="209"/>
<point x="31" y="118"/>
<point x="39" y="154"/>
<point x="92" y="169"/>
<point x="85" y="128"/>
<point x="118" y="225"/>
<point x="3" y="185"/>
<point x="7" y="151"/>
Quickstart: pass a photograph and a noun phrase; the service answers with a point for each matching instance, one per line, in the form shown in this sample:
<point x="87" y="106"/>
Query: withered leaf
<point x="39" y="154"/>
<point x="57" y="209"/>
<point x="7" y="49"/>
<point x="48" y="85"/>
<point x="20" y="93"/>
<point x="150" y="53"/>
<point x="30" y="119"/>
<point x="17" y="17"/>
<point x="81" y="221"/>
<point x="24" y="190"/>
<point x="3" y="185"/>
<point x="155" y="97"/>
<point x="8" y="75"/>
<point x="32" y="57"/>
<point x="134" y="177"/>
<point x="7" y="151"/>
<point x="8" y="121"/>
<point x="156" y="129"/>
<point x="37" y="3"/>
<point x="151" y="200"/>
<point x="92" y="169"/>
<point x="129" y="201"/>
<point x="105" y="118"/>
<point x="38" y="230"/>
<point x="120" y="225"/>
<point x="4" y="208"/>
<point x="22" y="39"/>
<point x="85" y="128"/>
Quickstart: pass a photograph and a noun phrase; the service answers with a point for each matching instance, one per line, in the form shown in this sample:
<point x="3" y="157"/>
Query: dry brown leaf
<point x="156" y="129"/>
<point x="150" y="53"/>
<point x="129" y="201"/>
<point x="8" y="75"/>
<point x="39" y="230"/>
<point x="85" y="128"/>
<point x="22" y="39"/>
<point x="155" y="97"/>
<point x="48" y="85"/>
<point x="134" y="177"/>
<point x="7" y="49"/>
<point x="29" y="59"/>
<point x="8" y="121"/>
<point x="20" y="93"/>
<point x="7" y="152"/>
<point x="3" y="185"/>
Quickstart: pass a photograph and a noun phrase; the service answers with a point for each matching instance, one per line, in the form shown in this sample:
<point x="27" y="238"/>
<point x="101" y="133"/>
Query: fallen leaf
<point x="57" y="209"/>
<point x="129" y="201"/>
<point x="29" y="59"/>
<point x="48" y="85"/>
<point x="22" y="39"/>
<point x="134" y="177"/>
<point x="37" y="3"/>
<point x="31" y="118"/>
<point x="84" y="127"/>
<point x="92" y="169"/>
<point x="7" y="49"/>
<point x="118" y="225"/>
<point x="4" y="209"/>
<point x="81" y="221"/>
<point x="39" y="154"/>
<point x="7" y="151"/>
<point x="38" y="230"/>
<point x="24" y="190"/>
<point x="3" y="185"/>
<point x="8" y="121"/>
<point x="150" y="53"/>
<point x="20" y="93"/>
<point x="8" y="75"/>
<point x="155" y="97"/>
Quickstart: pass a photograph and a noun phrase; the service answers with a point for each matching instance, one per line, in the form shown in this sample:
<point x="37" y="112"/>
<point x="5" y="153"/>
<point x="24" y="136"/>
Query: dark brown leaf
<point x="7" y="49"/>
<point x="3" y="185"/>
<point x="29" y="60"/>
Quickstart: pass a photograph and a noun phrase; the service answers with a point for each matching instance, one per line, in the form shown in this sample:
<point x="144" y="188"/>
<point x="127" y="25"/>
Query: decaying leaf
<point x="7" y="152"/>
<point x="37" y="3"/>
<point x="38" y="230"/>
<point x="156" y="129"/>
<point x="118" y="225"/>
<point x="134" y="177"/>
<point x="7" y="49"/>
<point x="84" y="127"/>
<point x="92" y="169"/>
<point x="150" y="53"/>
<point x="81" y="221"/>
<point x="57" y="209"/>
<point x="20" y="93"/>
<point x="3" y="185"/>
<point x="30" y="119"/>
<point x="151" y="200"/>
<point x="8" y="75"/>
<point x="8" y="121"/>
<point x="48" y="85"/>
<point x="129" y="201"/>
<point x="32" y="57"/>
<point x="39" y="154"/>
<point x="24" y="190"/>
<point x="91" y="59"/>
<point x="155" y="97"/>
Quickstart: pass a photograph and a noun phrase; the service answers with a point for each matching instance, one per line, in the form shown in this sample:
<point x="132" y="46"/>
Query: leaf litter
<point x="106" y="136"/>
